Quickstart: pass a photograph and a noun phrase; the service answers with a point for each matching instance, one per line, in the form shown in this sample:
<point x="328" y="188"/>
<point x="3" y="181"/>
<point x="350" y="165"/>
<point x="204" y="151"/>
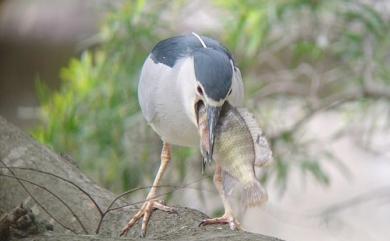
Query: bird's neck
<point x="187" y="84"/>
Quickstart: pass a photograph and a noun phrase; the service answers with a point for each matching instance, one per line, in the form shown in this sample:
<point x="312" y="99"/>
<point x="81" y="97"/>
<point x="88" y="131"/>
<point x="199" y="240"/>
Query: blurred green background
<point x="315" y="72"/>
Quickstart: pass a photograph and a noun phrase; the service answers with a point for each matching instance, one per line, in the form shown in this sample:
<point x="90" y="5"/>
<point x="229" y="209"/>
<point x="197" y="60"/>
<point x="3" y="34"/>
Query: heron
<point x="178" y="75"/>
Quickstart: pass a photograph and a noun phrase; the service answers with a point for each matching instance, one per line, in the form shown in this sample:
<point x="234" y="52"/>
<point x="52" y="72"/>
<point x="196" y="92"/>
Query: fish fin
<point x="263" y="152"/>
<point x="254" y="194"/>
<point x="229" y="183"/>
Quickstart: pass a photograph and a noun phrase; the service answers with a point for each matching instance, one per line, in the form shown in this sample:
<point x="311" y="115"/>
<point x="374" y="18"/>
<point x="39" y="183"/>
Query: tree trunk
<point x="62" y="198"/>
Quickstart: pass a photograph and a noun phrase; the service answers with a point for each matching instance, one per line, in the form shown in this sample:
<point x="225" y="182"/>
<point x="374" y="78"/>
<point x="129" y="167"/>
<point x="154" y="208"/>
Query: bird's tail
<point x="254" y="194"/>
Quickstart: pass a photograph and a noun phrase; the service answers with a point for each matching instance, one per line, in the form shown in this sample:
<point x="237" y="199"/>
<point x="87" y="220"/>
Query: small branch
<point x="36" y="201"/>
<point x="65" y="180"/>
<point x="109" y="209"/>
<point x="383" y="192"/>
<point x="332" y="103"/>
<point x="53" y="194"/>
<point x="377" y="93"/>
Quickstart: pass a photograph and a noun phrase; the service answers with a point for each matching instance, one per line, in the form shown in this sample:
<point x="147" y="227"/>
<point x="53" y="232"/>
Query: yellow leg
<point x="228" y="217"/>
<point x="151" y="202"/>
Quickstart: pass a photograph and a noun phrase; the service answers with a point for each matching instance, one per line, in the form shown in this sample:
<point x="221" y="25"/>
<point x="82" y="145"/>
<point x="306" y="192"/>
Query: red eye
<point x="200" y="91"/>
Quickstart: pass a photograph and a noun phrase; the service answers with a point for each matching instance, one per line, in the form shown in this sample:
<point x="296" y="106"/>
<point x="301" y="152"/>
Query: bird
<point x="178" y="75"/>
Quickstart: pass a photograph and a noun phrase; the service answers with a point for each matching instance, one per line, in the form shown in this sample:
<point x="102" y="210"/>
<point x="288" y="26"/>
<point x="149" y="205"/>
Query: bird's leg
<point x="151" y="203"/>
<point x="227" y="217"/>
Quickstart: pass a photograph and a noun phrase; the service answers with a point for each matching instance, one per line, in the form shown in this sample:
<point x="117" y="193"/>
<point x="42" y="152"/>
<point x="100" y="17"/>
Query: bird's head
<point x="213" y="72"/>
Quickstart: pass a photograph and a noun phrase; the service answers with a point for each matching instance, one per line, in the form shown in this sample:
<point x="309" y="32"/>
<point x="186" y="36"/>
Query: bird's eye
<point x="200" y="91"/>
<point x="230" y="92"/>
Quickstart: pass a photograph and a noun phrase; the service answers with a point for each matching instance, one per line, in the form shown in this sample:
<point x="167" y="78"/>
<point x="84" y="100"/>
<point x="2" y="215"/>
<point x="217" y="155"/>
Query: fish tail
<point x="254" y="194"/>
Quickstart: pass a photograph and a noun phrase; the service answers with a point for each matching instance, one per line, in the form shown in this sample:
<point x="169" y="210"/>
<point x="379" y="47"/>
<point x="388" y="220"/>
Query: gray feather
<point x="170" y="50"/>
<point x="214" y="71"/>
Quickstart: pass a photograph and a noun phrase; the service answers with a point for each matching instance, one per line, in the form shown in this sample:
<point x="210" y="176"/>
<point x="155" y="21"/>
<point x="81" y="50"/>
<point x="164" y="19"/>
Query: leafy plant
<point x="95" y="115"/>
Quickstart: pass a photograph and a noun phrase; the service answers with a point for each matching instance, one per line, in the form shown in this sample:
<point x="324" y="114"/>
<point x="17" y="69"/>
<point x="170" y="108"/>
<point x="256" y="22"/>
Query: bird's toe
<point x="145" y="213"/>
<point x="225" y="219"/>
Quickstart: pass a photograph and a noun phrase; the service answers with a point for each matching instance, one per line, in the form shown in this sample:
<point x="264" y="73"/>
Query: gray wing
<point x="151" y="76"/>
<point x="229" y="183"/>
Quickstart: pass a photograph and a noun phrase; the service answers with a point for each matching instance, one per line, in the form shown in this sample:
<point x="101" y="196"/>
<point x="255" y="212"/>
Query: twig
<point x="382" y="192"/>
<point x="35" y="200"/>
<point x="65" y="180"/>
<point x="109" y="208"/>
<point x="332" y="103"/>
<point x="53" y="194"/>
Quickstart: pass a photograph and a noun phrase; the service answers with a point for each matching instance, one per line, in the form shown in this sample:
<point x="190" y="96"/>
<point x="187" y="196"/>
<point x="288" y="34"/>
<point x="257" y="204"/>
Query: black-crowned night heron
<point x="180" y="73"/>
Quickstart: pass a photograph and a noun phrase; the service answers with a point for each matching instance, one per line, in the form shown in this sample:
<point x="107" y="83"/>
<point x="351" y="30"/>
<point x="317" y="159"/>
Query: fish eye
<point x="200" y="91"/>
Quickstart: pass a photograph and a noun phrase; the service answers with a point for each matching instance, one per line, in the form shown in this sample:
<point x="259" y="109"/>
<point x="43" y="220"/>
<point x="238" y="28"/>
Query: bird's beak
<point x="212" y="116"/>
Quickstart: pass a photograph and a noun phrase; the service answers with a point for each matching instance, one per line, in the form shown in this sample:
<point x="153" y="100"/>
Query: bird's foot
<point x="146" y="211"/>
<point x="225" y="219"/>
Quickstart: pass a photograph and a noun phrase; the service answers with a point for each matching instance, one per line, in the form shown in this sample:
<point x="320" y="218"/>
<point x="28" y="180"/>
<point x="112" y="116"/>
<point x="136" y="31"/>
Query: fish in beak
<point x="213" y="113"/>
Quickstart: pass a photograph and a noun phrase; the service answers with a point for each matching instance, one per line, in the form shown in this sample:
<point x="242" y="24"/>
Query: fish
<point x="239" y="146"/>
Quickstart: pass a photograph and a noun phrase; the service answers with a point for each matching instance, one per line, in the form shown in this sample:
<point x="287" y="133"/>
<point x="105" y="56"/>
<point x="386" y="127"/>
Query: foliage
<point x="309" y="55"/>
<point x="314" y="56"/>
<point x="94" y="116"/>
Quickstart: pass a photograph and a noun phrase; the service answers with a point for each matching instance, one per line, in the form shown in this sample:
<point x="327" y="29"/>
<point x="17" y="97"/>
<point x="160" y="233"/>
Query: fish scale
<point x="235" y="159"/>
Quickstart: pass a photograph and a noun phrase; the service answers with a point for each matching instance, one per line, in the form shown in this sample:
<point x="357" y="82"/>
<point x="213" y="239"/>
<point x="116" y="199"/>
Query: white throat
<point x="187" y="83"/>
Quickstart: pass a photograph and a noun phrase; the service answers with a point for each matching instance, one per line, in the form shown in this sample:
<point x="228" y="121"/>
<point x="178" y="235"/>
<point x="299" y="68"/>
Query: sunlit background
<point x="317" y="76"/>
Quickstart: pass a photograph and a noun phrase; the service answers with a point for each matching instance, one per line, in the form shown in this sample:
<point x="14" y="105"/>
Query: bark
<point x="63" y="199"/>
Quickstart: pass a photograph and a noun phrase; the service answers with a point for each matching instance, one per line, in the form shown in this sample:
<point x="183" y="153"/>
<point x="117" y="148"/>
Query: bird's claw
<point x="146" y="211"/>
<point x="225" y="219"/>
